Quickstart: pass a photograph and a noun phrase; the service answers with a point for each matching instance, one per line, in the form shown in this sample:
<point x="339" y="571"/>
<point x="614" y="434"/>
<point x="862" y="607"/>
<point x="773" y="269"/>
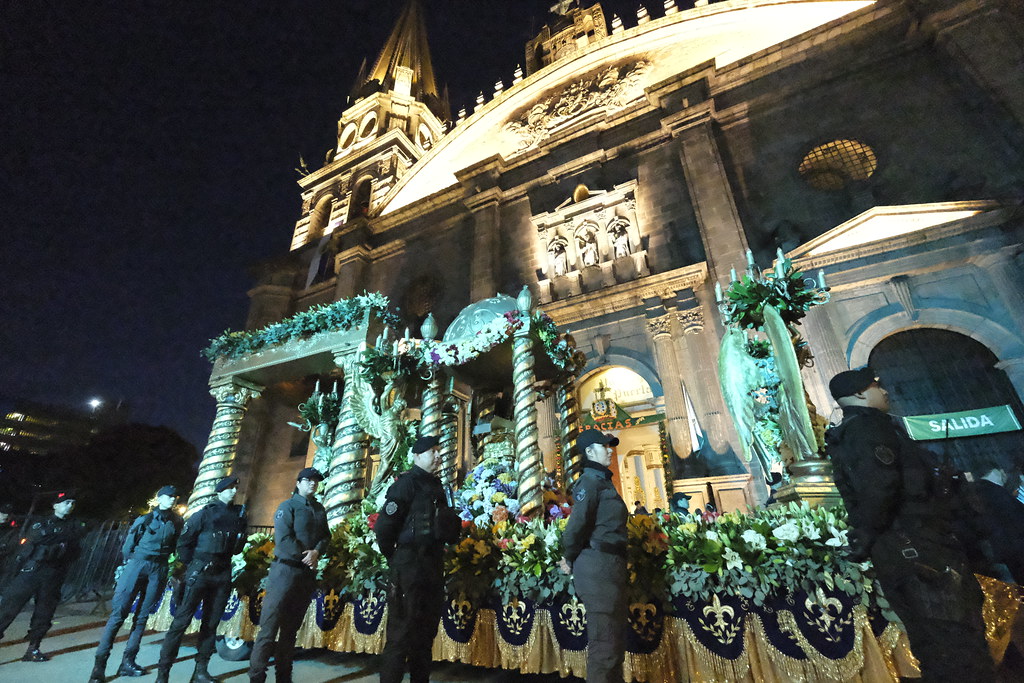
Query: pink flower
<point x="504" y="543"/>
<point x="371" y="521"/>
<point x="500" y="514"/>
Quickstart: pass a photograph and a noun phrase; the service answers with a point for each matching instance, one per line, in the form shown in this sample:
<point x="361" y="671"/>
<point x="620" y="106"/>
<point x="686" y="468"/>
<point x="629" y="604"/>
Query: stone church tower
<point x="634" y="164"/>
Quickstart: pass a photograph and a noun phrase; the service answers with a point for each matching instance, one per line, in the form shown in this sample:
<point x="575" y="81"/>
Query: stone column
<point x="829" y="359"/>
<point x="547" y="426"/>
<point x="528" y="460"/>
<point x="1014" y="369"/>
<point x="484" y="268"/>
<point x="569" y="424"/>
<point x="344" y="489"/>
<point x="1004" y="273"/>
<point x="233" y="395"/>
<point x="668" y="369"/>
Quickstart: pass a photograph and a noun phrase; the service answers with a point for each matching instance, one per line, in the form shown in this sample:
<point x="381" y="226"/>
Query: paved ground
<point x="76" y="631"/>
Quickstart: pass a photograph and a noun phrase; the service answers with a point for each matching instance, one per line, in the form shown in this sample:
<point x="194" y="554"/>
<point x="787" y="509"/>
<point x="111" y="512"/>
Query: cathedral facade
<point x="631" y="165"/>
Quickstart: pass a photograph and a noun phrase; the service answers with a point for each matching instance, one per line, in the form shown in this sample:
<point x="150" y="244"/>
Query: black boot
<point x="130" y="668"/>
<point x="201" y="675"/>
<point x="34" y="654"/>
<point x="162" y="675"/>
<point x="99" y="672"/>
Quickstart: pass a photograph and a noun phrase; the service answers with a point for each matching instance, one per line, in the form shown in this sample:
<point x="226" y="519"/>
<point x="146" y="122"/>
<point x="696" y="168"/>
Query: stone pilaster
<point x="233" y="396"/>
<point x="829" y="359"/>
<point x="1004" y="273"/>
<point x="547" y="432"/>
<point x="484" y="268"/>
<point x="1014" y="369"/>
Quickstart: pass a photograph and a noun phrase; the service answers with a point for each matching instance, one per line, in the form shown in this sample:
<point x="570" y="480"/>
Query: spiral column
<point x="232" y="397"/>
<point x="528" y="457"/>
<point x="569" y="422"/>
<point x="449" y="434"/>
<point x="347" y="475"/>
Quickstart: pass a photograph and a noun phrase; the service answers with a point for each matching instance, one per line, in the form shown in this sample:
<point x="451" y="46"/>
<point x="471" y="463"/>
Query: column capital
<point x="235" y="390"/>
<point x="660" y="327"/>
<point x="691" y="320"/>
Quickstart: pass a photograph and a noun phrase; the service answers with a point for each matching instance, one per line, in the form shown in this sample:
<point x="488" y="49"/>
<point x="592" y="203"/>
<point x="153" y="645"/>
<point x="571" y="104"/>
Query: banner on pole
<point x="965" y="423"/>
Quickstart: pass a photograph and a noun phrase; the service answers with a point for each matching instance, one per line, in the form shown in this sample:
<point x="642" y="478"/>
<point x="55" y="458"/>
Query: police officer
<point x="899" y="510"/>
<point x="50" y="546"/>
<point x="210" y="537"/>
<point x="300" y="539"/>
<point x="412" y="529"/>
<point x="594" y="542"/>
<point x="149" y="544"/>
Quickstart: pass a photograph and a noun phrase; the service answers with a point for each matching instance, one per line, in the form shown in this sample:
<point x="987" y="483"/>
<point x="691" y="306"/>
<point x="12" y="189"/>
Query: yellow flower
<point x="528" y="541"/>
<point x="482" y="548"/>
<point x="688" y="528"/>
<point x="500" y="526"/>
<point x="498" y="498"/>
<point x="505" y="477"/>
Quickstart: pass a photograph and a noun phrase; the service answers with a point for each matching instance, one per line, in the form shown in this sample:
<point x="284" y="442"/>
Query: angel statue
<point x="740" y="377"/>
<point x="794" y="417"/>
<point x="382" y="421"/>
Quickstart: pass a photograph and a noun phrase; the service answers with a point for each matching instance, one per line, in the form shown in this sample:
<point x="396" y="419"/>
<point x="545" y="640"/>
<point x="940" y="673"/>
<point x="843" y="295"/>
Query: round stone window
<point x="835" y="164"/>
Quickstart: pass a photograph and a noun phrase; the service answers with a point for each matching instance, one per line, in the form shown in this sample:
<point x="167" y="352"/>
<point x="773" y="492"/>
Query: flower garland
<point x="341" y="315"/>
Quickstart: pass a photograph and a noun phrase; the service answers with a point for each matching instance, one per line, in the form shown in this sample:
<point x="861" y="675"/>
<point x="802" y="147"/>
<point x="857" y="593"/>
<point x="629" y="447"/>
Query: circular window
<point x="348" y="136"/>
<point x="367" y="125"/>
<point x="832" y="165"/>
<point x="425" y="137"/>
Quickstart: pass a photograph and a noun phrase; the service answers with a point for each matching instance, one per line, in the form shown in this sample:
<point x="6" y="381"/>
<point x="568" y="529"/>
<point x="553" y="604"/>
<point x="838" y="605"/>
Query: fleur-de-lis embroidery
<point x="574" y="617"/>
<point x="369" y="607"/>
<point x="460" y="611"/>
<point x="721" y="629"/>
<point x="827" y="615"/>
<point x="330" y="601"/>
<point x="515" y="617"/>
<point x="643" y="619"/>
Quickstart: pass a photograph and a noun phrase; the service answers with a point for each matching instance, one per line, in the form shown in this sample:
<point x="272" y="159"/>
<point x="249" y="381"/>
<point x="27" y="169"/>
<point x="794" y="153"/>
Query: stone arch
<point x="1001" y="341"/>
<point x="362" y="194"/>
<point x="320" y="216"/>
<point x="628" y="360"/>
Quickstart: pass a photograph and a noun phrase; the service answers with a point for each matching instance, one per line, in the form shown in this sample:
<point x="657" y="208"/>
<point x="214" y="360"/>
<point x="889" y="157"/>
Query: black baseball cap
<point x="168" y="491"/>
<point x="310" y="473"/>
<point x="228" y="482"/>
<point x="424" y="443"/>
<point x="591" y="436"/>
<point x="64" y="495"/>
<point x="851" y="382"/>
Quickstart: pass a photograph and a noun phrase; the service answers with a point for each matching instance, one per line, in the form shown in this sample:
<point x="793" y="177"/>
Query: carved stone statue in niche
<point x="620" y="241"/>
<point x="559" y="263"/>
<point x="588" y="248"/>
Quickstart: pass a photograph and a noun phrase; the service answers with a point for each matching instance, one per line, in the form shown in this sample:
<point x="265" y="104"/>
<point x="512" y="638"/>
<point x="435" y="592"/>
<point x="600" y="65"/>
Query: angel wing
<point x="794" y="418"/>
<point x="360" y="397"/>
<point x="739" y="375"/>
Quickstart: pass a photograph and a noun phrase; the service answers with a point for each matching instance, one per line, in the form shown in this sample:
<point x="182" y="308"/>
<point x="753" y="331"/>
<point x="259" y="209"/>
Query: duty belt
<point x="610" y="548"/>
<point x="292" y="563"/>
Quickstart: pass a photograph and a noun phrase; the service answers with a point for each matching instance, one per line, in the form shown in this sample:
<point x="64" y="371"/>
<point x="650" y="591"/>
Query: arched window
<point x="832" y="165"/>
<point x="319" y="217"/>
<point x="360" y="204"/>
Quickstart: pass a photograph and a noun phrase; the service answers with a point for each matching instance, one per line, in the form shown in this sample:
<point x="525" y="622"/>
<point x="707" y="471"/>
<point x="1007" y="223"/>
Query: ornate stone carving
<point x="659" y="326"/>
<point x="611" y="89"/>
<point x="692" y="321"/>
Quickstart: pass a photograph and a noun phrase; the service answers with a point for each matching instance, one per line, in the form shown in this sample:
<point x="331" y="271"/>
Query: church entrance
<point x="618" y="401"/>
<point x="929" y="371"/>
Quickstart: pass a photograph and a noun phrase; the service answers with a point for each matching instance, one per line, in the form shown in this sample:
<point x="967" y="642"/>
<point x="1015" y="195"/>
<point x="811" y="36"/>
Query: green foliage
<point x="790" y="295"/>
<point x="250" y="567"/>
<point x="339" y="316"/>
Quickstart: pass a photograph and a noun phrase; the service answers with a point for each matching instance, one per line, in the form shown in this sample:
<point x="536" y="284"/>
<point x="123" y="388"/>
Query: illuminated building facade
<point x="633" y="165"/>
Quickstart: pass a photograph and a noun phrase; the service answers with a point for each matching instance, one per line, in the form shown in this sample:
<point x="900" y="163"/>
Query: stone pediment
<point x="886" y="227"/>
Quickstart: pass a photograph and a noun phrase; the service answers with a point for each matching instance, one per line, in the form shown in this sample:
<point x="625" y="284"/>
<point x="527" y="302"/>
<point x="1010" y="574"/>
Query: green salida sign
<point x="964" y="423"/>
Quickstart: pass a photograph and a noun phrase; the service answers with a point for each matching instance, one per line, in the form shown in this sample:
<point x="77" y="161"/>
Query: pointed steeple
<point x="406" y="48"/>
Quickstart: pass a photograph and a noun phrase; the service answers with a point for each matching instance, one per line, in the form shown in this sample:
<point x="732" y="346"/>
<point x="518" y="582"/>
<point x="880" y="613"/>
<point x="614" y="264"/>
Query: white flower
<point x="754" y="539"/>
<point x="838" y="538"/>
<point x="711" y="535"/>
<point x="732" y="559"/>
<point x="787" y="532"/>
<point x="811" y="531"/>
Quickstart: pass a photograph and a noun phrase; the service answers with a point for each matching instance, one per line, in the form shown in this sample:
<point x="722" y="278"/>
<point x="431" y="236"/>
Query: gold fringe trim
<point x="825" y="667"/>
<point x="527" y="658"/>
<point x="703" y="664"/>
<point x="659" y="666"/>
<point x="481" y="650"/>
<point x="1002" y="605"/>
<point x="794" y="670"/>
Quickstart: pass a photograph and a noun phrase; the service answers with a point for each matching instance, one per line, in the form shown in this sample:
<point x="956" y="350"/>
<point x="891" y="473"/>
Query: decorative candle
<point x="718" y="292"/>
<point x="732" y="275"/>
<point x="821" y="279"/>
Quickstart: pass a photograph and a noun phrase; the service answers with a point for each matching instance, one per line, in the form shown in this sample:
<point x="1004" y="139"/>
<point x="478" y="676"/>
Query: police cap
<point x="591" y="436"/>
<point x="851" y="382"/>
<point x="424" y="443"/>
<point x="6" y="508"/>
<point x="168" y="491"/>
<point x="64" y="495"/>
<point x="311" y="473"/>
<point x="228" y="482"/>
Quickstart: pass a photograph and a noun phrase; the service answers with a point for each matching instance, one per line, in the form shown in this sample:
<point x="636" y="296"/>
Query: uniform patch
<point x="279" y="515"/>
<point x="885" y="455"/>
<point x="391" y="508"/>
<point x="580" y="493"/>
<point x="37" y="525"/>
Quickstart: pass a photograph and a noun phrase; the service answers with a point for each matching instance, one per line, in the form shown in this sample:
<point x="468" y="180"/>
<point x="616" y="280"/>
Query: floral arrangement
<point x="530" y="551"/>
<point x="471" y="565"/>
<point x="785" y="288"/>
<point x="341" y="315"/>
<point x="765" y="552"/>
<point x="365" y="570"/>
<point x="766" y="398"/>
<point x="646" y="550"/>
<point x="488" y="494"/>
<point x="250" y="567"/>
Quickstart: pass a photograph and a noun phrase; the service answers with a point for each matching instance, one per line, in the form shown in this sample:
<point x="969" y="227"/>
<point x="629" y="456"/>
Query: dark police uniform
<point x="300" y="524"/>
<point x="899" y="514"/>
<point x="51" y="545"/>
<point x="412" y="530"/>
<point x="210" y="537"/>
<point x="594" y="542"/>
<point x="146" y="550"/>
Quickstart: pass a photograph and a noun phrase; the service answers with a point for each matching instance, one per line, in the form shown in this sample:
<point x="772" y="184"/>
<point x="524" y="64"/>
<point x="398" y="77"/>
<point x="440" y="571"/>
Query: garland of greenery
<point x="785" y="288"/>
<point x="340" y="316"/>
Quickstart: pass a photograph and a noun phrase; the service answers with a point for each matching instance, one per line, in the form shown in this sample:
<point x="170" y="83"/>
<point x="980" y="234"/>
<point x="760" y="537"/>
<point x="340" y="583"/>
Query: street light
<point x="95" y="403"/>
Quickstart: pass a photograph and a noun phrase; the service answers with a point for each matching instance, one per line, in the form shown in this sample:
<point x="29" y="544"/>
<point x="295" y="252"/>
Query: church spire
<point x="407" y="49"/>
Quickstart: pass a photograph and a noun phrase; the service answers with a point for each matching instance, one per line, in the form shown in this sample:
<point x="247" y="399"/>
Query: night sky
<point x="147" y="159"/>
